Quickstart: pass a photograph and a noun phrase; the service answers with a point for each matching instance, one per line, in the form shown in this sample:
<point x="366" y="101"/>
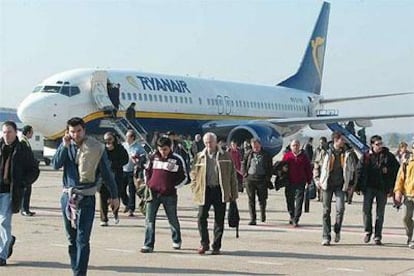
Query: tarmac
<point x="270" y="248"/>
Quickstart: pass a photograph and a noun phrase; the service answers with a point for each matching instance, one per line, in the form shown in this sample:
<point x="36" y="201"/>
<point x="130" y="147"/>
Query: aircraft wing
<point x="362" y="120"/>
<point x="345" y="99"/>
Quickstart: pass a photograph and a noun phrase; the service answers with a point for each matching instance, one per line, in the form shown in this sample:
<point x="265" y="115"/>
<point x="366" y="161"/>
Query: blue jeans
<point x="170" y="206"/>
<point x="381" y="199"/>
<point x="5" y="224"/>
<point x="78" y="238"/>
<point x="340" y="209"/>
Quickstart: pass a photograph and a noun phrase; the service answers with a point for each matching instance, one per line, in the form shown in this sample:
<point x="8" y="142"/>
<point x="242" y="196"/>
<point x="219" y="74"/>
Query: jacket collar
<point x="204" y="152"/>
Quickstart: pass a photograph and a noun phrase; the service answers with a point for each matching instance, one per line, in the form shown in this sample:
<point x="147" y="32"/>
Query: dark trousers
<point x="128" y="199"/>
<point x="258" y="188"/>
<point x="212" y="197"/>
<point x="27" y="193"/>
<point x="381" y="199"/>
<point x="294" y="200"/>
<point x="103" y="210"/>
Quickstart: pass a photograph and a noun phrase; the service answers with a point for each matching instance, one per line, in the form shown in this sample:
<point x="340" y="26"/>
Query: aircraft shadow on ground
<point x="139" y="269"/>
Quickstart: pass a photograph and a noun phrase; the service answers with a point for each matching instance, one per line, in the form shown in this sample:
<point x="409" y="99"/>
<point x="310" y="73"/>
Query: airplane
<point x="188" y="105"/>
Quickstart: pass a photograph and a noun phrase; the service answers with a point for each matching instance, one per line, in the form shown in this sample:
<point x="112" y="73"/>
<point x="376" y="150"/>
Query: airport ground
<point x="270" y="248"/>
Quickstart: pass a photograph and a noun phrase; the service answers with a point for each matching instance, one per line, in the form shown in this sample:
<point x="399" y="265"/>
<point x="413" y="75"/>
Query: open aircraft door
<point x="99" y="90"/>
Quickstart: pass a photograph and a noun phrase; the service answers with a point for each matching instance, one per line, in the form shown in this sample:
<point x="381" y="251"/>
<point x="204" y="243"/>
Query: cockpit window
<point x="64" y="90"/>
<point x="51" y="89"/>
<point x="37" y="89"/>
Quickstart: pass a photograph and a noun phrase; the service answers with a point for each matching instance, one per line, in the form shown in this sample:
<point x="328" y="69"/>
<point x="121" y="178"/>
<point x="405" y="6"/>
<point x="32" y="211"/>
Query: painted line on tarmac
<point x="265" y="263"/>
<point x="59" y="245"/>
<point x="345" y="269"/>
<point x="120" y="250"/>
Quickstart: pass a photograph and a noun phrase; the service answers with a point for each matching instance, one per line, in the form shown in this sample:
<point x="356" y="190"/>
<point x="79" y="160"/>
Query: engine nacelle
<point x="271" y="140"/>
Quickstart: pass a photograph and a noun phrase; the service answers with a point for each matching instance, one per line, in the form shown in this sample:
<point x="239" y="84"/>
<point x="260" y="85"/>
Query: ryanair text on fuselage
<point x="152" y="83"/>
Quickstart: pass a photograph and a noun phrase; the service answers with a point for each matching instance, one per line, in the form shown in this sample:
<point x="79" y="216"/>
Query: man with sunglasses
<point x="376" y="174"/>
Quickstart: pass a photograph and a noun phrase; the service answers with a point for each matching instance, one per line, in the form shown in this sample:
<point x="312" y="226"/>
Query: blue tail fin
<point x="309" y="75"/>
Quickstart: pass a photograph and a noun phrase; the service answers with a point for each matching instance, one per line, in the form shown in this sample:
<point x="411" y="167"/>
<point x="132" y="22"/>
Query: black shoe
<point x="2" y="262"/>
<point x="13" y="240"/>
<point x="252" y="222"/>
<point x="28" y="213"/>
<point x="215" y="252"/>
<point x="367" y="238"/>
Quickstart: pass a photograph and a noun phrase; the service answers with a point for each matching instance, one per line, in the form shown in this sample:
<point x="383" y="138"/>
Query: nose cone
<point x="37" y="110"/>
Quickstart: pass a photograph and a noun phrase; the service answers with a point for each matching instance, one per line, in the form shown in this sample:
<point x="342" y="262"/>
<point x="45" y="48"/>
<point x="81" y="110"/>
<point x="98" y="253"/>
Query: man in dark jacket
<point x="18" y="169"/>
<point x="376" y="174"/>
<point x="165" y="173"/>
<point x="118" y="156"/>
<point x="257" y="169"/>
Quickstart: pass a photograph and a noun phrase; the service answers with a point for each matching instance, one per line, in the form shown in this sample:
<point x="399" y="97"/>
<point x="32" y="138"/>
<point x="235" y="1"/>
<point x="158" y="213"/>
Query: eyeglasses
<point x="378" y="144"/>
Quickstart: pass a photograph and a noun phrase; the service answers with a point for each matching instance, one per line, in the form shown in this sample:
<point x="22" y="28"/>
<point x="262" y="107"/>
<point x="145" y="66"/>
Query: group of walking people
<point x="214" y="179"/>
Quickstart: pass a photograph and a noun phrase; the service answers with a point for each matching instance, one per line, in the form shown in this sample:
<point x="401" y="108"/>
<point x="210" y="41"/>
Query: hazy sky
<point x="370" y="47"/>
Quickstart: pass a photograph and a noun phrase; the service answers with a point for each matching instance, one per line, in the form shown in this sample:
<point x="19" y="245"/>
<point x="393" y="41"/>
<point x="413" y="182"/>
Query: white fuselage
<point x="161" y="97"/>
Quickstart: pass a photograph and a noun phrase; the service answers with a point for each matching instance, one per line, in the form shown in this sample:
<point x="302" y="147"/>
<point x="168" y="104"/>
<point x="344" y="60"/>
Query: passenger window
<point x="185" y="100"/>
<point x="200" y="101"/>
<point x="140" y="97"/>
<point x="190" y="100"/>
<point x="129" y="96"/>
<point x="145" y="97"/>
<point x="181" y="99"/>
<point x="176" y="99"/>
<point x="160" y="98"/>
<point x="123" y="96"/>
<point x="135" y="96"/>
<point x="166" y="99"/>
<point x="150" y="97"/>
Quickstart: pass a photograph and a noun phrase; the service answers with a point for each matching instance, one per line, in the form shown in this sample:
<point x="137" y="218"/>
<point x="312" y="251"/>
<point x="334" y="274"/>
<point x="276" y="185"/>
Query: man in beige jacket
<point x="214" y="183"/>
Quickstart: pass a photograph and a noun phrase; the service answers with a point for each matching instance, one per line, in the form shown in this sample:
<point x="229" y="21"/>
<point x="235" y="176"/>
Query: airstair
<point x="122" y="125"/>
<point x="350" y="137"/>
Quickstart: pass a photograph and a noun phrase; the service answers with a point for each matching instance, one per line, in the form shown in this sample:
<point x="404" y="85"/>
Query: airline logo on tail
<point x="318" y="52"/>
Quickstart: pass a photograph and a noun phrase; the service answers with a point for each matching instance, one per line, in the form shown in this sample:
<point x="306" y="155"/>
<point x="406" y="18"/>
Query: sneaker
<point x="411" y="245"/>
<point x="116" y="219"/>
<point x="326" y="242"/>
<point x="28" y="213"/>
<point x="104" y="223"/>
<point x="367" y="238"/>
<point x="13" y="240"/>
<point x="202" y="249"/>
<point x="146" y="249"/>
<point x="337" y="237"/>
<point x="176" y="245"/>
<point x="131" y="214"/>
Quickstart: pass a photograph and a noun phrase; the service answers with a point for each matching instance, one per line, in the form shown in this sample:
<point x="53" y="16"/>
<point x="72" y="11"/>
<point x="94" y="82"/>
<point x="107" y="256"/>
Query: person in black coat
<point x="118" y="157"/>
<point x="376" y="174"/>
<point x="18" y="169"/>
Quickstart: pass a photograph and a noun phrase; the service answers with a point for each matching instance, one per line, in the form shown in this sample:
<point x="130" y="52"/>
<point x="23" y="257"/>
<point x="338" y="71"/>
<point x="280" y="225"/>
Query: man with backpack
<point x="404" y="194"/>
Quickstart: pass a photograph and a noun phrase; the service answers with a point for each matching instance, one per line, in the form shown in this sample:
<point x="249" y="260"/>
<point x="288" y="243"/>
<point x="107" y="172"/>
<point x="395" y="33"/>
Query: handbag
<point x="311" y="191"/>
<point x="233" y="216"/>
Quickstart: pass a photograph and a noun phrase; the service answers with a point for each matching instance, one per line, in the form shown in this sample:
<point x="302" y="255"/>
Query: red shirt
<point x="300" y="171"/>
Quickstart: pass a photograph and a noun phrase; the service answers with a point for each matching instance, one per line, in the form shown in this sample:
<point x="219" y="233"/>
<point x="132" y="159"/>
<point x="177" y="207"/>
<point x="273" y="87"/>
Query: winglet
<point x="309" y="75"/>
